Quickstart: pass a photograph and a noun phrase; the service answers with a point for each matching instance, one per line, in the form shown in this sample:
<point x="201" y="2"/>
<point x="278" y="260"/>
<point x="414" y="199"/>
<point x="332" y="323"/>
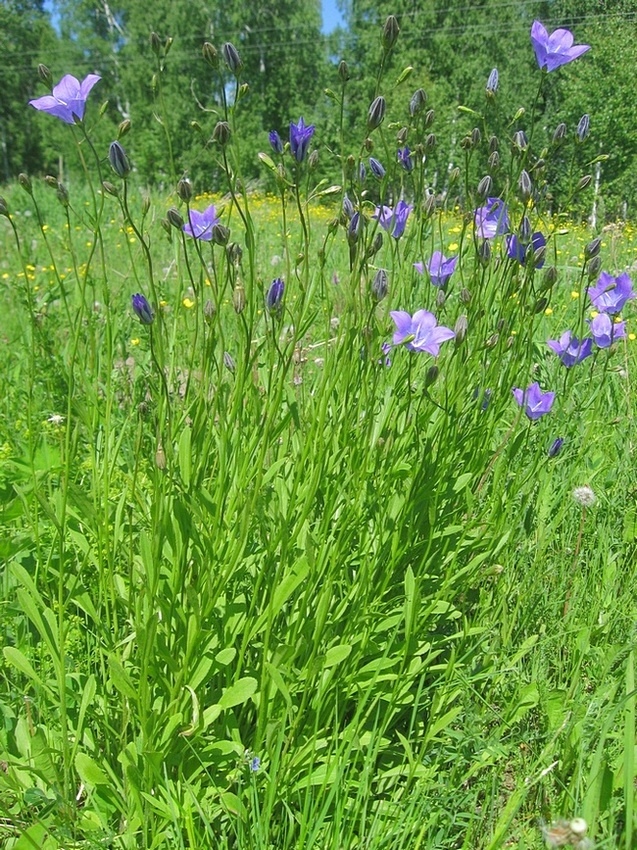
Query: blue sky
<point x="331" y="16"/>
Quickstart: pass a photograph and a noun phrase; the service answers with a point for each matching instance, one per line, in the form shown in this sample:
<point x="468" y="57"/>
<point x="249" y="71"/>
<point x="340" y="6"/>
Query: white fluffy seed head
<point x="586" y="497"/>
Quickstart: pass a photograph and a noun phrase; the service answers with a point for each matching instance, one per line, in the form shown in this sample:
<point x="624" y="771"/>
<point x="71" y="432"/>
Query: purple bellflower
<point x="275" y="141"/>
<point x="556" y="447"/>
<point x="142" y="309"/>
<point x="517" y="250"/>
<point x="492" y="219"/>
<point x="68" y="99"/>
<point x="570" y="349"/>
<point x="611" y="293"/>
<point x="535" y="403"/>
<point x="556" y="49"/>
<point x="393" y="220"/>
<point x="300" y="137"/>
<point x="605" y="331"/>
<point x="201" y="223"/>
<point x="439" y="268"/>
<point x="420" y="332"/>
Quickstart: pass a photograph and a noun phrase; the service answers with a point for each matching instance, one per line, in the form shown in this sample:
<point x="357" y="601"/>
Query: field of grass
<point x="272" y="581"/>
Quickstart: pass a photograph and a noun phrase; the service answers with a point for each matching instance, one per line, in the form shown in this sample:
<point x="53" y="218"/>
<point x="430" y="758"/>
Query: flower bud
<point x="520" y="142"/>
<point x="430" y="141"/>
<point x="4" y="209"/>
<point x="538" y="256"/>
<point x="390" y="34"/>
<point x="525" y="186"/>
<point x="431" y="375"/>
<point x="429" y="204"/>
<point x="175" y="218"/>
<point x="429" y="117"/>
<point x="494" y="144"/>
<point x="362" y="172"/>
<point x="221" y="133"/>
<point x="354" y="228"/>
<point x="274" y="296"/>
<point x="559" y="134"/>
<point x="476" y="136"/>
<point x="62" y="194"/>
<point x="155" y="43"/>
<point x="377" y="244"/>
<point x="465" y="296"/>
<point x="376" y="113"/>
<point x="493" y="82"/>
<point x="550" y="277"/>
<point x="484" y="251"/>
<point x="376" y="168"/>
<point x="348" y="207"/>
<point x="492" y="341"/>
<point x="540" y="305"/>
<point x="343" y="71"/>
<point x="556" y="447"/>
<point x="118" y="160"/>
<point x="235" y="253"/>
<point x="160" y="457"/>
<point x="418" y="102"/>
<point x="239" y="298"/>
<point x="525" y="232"/>
<point x="51" y="181"/>
<point x="142" y="309"/>
<point x="592" y="249"/>
<point x="209" y="312"/>
<point x="145" y="204"/>
<point x="220" y="234"/>
<point x="466" y="143"/>
<point x="45" y="75"/>
<point x="123" y="128"/>
<point x="228" y="361"/>
<point x="184" y="190"/>
<point x="210" y="55"/>
<point x="460" y="328"/>
<point x="166" y="225"/>
<point x="584" y="183"/>
<point x="110" y="188"/>
<point x="454" y="175"/>
<point x="231" y="58"/>
<point x="594" y="267"/>
<point x="380" y="285"/>
<point x="25" y="181"/>
<point x="494" y="161"/>
<point x="440" y="299"/>
<point x="484" y="186"/>
<point x="583" y="127"/>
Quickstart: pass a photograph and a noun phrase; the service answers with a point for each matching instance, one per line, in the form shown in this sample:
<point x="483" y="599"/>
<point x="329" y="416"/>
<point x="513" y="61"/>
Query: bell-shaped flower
<point x="570" y="349"/>
<point x="393" y="220"/>
<point x="492" y="219"/>
<point x="68" y="98"/>
<point x="556" y="49"/>
<point x="420" y="332"/>
<point x="605" y="331"/>
<point x="534" y="402"/>
<point x="200" y="224"/>
<point x="611" y="293"/>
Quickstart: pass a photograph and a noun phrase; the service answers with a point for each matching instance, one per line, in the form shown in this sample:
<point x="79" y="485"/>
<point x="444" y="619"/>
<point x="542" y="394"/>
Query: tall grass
<point x="268" y="585"/>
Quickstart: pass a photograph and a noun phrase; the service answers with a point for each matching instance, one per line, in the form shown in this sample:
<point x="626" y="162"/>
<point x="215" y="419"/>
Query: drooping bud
<point x="4" y="209"/>
<point x="51" y="181"/>
<point x="175" y="218"/>
<point x="142" y="309"/>
<point x="418" y="102"/>
<point x="45" y="75"/>
<point x="231" y="58"/>
<point x="525" y="185"/>
<point x="592" y="249"/>
<point x="221" y="133"/>
<point x="380" y="285"/>
<point x="274" y="296"/>
<point x="110" y="188"/>
<point x="493" y="82"/>
<point x="118" y="160"/>
<point x="210" y="54"/>
<point x="484" y="186"/>
<point x="584" y="183"/>
<point x="376" y="113"/>
<point x="184" y="190"/>
<point x="391" y="31"/>
<point x="583" y="127"/>
<point x="343" y="71"/>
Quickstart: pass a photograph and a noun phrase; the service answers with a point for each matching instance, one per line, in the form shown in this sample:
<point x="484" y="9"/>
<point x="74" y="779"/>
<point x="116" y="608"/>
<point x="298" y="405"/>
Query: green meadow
<point x="276" y="574"/>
